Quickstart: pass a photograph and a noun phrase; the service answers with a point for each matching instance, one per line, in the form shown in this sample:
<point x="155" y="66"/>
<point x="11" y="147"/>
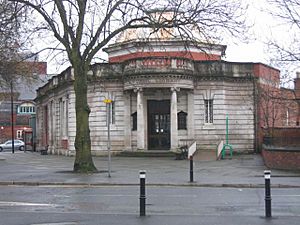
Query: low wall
<point x="281" y="158"/>
<point x="286" y="136"/>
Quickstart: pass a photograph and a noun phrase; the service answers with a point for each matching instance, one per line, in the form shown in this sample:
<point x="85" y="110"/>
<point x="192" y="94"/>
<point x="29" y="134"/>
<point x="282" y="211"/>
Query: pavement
<point x="242" y="171"/>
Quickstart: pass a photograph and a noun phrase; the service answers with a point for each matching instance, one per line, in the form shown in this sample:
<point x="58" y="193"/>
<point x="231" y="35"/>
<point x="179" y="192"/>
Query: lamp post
<point x="12" y="117"/>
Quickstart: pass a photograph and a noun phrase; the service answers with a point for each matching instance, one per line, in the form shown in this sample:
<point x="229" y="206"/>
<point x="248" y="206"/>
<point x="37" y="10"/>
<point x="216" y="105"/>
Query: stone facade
<point x="228" y="85"/>
<point x="164" y="94"/>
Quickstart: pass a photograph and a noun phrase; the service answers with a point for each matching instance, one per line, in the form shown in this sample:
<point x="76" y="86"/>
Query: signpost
<point x="108" y="102"/>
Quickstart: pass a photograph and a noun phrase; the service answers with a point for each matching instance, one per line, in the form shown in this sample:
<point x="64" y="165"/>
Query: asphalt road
<point x="69" y="205"/>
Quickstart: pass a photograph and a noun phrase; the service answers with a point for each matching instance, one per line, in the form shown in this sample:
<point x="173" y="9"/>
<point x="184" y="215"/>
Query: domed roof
<point x="162" y="42"/>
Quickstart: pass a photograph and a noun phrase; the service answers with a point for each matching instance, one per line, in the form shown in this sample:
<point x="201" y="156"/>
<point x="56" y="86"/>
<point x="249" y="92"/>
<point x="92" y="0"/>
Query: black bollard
<point x="268" y="199"/>
<point x="191" y="169"/>
<point x="142" y="193"/>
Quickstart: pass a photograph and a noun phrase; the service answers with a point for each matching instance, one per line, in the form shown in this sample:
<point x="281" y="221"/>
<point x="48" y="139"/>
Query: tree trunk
<point x="83" y="161"/>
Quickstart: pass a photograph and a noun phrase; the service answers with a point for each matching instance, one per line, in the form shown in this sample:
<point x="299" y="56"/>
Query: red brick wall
<point x="282" y="159"/>
<point x="5" y="132"/>
<point x="266" y="72"/>
<point x="198" y="56"/>
<point x="287" y="136"/>
<point x="287" y="132"/>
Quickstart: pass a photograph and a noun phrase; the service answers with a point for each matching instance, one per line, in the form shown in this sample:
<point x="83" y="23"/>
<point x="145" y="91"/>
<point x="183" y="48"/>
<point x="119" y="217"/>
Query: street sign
<point x="107" y="101"/>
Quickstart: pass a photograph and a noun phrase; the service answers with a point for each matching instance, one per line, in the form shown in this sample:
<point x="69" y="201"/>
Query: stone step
<point x="205" y="155"/>
<point x="147" y="153"/>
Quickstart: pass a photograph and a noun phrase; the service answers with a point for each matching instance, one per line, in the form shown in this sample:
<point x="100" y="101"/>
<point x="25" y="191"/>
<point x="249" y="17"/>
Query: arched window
<point x="209" y="114"/>
<point x="181" y="117"/>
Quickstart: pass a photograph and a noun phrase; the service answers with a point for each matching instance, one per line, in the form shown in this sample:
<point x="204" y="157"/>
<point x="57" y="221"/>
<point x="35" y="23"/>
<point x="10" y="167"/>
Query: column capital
<point x="175" y="89"/>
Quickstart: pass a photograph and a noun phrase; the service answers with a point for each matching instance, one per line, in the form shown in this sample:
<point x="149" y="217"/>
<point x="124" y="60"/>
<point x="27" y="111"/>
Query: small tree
<point x="276" y="108"/>
<point x="83" y="27"/>
<point x="270" y="103"/>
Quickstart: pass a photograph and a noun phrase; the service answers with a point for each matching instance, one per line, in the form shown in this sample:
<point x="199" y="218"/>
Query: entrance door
<point x="159" y="125"/>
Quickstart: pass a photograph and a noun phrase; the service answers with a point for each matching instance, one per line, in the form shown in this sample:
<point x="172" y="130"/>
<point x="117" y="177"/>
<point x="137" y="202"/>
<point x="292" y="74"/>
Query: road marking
<point x="2" y="203"/>
<point x="63" y="223"/>
<point x="287" y="195"/>
<point x="137" y="195"/>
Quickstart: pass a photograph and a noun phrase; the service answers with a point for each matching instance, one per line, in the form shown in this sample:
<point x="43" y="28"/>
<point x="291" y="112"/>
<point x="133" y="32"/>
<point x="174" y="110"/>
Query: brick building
<point x="23" y="91"/>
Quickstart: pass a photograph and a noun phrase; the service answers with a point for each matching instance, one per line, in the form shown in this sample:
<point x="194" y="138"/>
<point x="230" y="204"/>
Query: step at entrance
<point x="147" y="153"/>
<point x="205" y="155"/>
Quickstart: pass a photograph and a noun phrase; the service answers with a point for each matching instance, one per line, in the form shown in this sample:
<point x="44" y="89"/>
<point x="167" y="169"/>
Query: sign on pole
<point x="107" y="101"/>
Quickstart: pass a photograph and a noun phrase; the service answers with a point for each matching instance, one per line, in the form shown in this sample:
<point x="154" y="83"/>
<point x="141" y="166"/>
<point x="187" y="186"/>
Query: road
<point x="73" y="205"/>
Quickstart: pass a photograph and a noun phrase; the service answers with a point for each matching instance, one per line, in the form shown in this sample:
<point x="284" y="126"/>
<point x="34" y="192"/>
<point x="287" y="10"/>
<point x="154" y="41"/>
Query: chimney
<point x="297" y="85"/>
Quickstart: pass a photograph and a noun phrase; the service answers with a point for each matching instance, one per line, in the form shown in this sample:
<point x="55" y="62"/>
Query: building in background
<point x="23" y="90"/>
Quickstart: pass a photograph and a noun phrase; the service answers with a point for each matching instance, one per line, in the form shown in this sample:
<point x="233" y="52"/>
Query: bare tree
<point x="83" y="27"/>
<point x="9" y="24"/>
<point x="16" y="64"/>
<point x="288" y="12"/>
<point x="286" y="50"/>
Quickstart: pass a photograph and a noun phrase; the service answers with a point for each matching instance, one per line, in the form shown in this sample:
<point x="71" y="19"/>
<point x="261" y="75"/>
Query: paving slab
<point x="31" y="168"/>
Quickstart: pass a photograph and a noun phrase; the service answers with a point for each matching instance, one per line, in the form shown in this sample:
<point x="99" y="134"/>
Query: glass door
<point x="159" y="125"/>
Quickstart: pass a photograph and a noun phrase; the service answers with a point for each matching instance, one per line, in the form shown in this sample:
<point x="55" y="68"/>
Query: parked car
<point x="18" y="144"/>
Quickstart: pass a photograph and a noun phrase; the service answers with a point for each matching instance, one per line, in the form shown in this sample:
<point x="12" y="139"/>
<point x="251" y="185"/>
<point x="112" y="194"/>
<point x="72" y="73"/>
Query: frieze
<point x="222" y="78"/>
<point x="133" y="82"/>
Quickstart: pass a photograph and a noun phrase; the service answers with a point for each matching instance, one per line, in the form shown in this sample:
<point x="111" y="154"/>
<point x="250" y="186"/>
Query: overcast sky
<point x="264" y="27"/>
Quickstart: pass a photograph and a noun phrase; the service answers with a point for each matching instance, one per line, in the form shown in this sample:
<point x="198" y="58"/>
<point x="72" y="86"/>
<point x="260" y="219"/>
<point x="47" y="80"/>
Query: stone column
<point x="190" y="116"/>
<point x="174" y="125"/>
<point x="140" y="120"/>
<point x="127" y="119"/>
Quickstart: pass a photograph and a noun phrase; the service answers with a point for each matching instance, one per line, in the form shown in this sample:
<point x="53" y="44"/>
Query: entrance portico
<point x="157" y="127"/>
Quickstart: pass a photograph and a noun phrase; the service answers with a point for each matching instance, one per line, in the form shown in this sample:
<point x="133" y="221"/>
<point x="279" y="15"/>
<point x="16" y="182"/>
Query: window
<point x="112" y="108"/>
<point x="67" y="115"/>
<point x="63" y="117"/>
<point x="134" y="121"/>
<point x="19" y="134"/>
<point x="209" y="116"/>
<point x="26" y="109"/>
<point x="181" y="117"/>
<point x="113" y="112"/>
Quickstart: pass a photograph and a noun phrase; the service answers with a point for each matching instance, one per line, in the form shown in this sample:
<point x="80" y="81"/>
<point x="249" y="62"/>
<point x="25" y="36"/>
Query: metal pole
<point x="25" y="138"/>
<point x="191" y="169"/>
<point x="227" y="129"/>
<point x="142" y="193"/>
<point x="108" y="137"/>
<point x="268" y="199"/>
<point x="12" y="117"/>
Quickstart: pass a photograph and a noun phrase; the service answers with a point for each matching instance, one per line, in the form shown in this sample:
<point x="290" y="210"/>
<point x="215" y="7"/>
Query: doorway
<point x="159" y="124"/>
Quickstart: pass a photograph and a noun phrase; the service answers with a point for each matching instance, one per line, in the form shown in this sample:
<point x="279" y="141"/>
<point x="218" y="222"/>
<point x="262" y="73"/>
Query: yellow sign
<point x="107" y="101"/>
